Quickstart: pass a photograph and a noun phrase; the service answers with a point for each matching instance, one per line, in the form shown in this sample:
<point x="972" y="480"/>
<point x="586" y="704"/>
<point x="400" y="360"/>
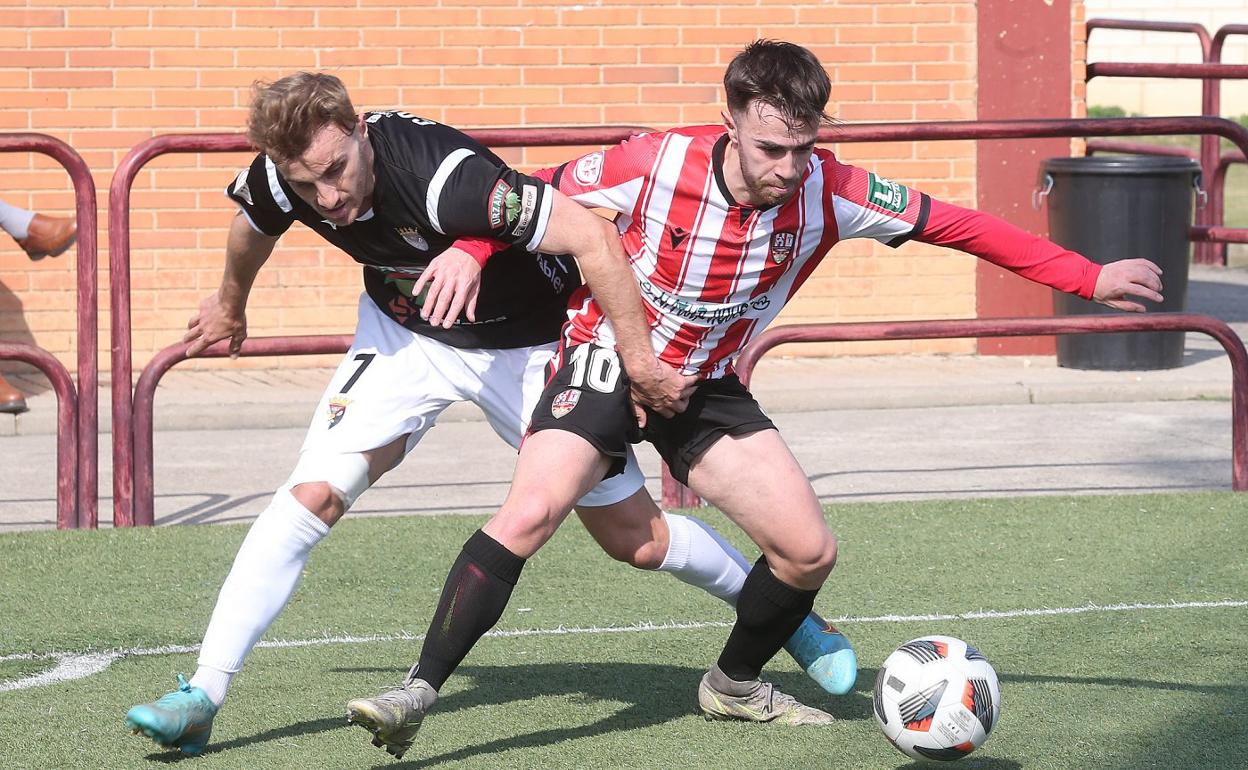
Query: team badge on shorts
<point x="565" y="402"/>
<point x="782" y="246"/>
<point x="337" y="408"/>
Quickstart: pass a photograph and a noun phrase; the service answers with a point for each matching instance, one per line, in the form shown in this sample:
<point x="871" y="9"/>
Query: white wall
<point x="1159" y="96"/>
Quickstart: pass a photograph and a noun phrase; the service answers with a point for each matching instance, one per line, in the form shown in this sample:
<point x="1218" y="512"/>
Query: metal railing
<point x="145" y="399"/>
<point x="675" y="494"/>
<point x="128" y="508"/>
<point x="67" y="508"/>
<point x="124" y="460"/>
<point x="1023" y="327"/>
<point x="1210" y="232"/>
<point x="82" y="434"/>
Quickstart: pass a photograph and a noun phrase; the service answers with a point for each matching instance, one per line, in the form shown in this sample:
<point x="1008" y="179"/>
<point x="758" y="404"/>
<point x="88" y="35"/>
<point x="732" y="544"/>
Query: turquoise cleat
<point x="825" y="654"/>
<point x="180" y="720"/>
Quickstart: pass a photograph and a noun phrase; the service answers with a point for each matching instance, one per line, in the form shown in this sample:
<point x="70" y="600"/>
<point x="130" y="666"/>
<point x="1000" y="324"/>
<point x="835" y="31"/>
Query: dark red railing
<point x="119" y="270"/>
<point x="1027" y="327"/>
<point x="124" y="467"/>
<point x="1029" y="129"/>
<point x="1211" y="217"/>
<point x="145" y="399"/>
<point x="66" y="426"/>
<point x="84" y="435"/>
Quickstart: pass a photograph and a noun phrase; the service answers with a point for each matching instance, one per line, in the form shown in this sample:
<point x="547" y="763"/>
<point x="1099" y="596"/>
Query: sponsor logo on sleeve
<point x="241" y="189"/>
<point x="528" y="204"/>
<point x="887" y="194"/>
<point x="588" y="170"/>
<point x="782" y="246"/>
<point x="413" y="237"/>
<point x="337" y="408"/>
<point x="513" y="206"/>
<point x="565" y="402"/>
<point x="679" y="234"/>
<point x="499" y="204"/>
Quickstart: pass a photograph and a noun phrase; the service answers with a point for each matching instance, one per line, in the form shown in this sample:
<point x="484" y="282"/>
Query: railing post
<point x="87" y="424"/>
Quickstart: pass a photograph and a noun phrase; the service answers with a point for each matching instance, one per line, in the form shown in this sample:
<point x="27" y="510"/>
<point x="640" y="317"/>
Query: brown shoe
<point x="11" y="399"/>
<point x="49" y="236"/>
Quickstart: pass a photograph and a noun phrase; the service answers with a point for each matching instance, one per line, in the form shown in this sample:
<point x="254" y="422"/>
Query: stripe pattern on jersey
<point x="713" y="274"/>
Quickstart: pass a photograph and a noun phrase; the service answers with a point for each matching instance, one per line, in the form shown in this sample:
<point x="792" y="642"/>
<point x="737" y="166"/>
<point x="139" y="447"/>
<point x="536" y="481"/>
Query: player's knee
<point x="328" y="483"/>
<point x="809" y="563"/>
<point x="642" y="551"/>
<point x="625" y="538"/>
<point x="321" y="499"/>
<point x="524" y="525"/>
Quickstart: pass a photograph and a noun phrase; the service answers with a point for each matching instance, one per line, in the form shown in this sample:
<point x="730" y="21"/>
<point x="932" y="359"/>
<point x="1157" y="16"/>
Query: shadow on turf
<point x="655" y="694"/>
<point x="666" y="693"/>
<point x="1238" y="692"/>
<point x="288" y="731"/>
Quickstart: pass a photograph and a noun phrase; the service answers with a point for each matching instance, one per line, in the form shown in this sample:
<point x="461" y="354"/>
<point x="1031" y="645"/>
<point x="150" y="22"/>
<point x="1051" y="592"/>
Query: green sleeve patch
<point x="887" y="194"/>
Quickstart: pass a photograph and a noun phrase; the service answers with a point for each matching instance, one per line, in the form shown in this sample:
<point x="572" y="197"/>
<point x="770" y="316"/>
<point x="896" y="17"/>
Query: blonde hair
<point x="285" y="114"/>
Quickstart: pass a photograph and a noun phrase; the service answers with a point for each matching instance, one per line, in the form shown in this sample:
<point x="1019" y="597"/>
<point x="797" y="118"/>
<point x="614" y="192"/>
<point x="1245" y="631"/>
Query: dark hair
<point x="783" y="75"/>
<point x="285" y="114"/>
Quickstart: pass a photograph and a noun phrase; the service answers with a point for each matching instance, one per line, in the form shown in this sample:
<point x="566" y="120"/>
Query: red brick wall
<point x="104" y="75"/>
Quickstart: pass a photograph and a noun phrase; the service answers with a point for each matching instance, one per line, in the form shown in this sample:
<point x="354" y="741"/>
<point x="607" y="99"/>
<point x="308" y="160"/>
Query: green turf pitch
<point x="1122" y="687"/>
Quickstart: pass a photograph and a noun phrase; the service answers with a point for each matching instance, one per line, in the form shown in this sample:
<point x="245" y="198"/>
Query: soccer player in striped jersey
<point x="722" y="224"/>
<point x="394" y="191"/>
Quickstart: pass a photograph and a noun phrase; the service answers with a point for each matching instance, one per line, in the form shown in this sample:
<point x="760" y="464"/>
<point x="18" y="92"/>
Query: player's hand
<point x="215" y="321"/>
<point x="453" y="280"/>
<point x="662" y="389"/>
<point x="1127" y="278"/>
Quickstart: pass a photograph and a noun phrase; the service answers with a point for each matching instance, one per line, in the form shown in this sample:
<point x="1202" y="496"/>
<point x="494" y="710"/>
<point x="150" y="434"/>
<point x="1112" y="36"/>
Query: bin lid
<point x="1122" y="165"/>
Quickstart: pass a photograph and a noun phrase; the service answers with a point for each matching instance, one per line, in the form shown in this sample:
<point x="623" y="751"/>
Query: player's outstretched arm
<point x="1127" y="278"/>
<point x="596" y="245"/>
<point x="224" y="313"/>
<point x="1040" y="259"/>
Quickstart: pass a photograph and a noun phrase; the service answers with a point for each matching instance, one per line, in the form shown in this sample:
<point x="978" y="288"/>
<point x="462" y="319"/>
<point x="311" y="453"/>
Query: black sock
<point x="476" y="592"/>
<point x="768" y="612"/>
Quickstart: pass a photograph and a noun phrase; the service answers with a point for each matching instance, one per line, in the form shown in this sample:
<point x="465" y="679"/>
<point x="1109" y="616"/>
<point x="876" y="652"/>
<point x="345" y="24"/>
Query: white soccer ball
<point x="937" y="697"/>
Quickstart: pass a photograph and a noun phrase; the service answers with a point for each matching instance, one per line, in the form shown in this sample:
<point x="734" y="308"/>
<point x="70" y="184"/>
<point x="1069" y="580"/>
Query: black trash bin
<point x="1121" y="207"/>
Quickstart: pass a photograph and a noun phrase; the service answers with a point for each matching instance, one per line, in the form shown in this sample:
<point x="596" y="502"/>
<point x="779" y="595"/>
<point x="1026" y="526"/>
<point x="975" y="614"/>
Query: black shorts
<point x="589" y="395"/>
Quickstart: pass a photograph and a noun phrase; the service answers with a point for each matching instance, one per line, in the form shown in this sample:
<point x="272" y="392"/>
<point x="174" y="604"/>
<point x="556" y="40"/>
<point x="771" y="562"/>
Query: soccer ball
<point x="936" y="697"/>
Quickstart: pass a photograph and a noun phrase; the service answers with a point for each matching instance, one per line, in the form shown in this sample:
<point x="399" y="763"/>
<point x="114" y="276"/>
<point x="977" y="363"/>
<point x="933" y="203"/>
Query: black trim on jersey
<point x="554" y="182"/>
<point x="717" y="163"/>
<point x="925" y="210"/>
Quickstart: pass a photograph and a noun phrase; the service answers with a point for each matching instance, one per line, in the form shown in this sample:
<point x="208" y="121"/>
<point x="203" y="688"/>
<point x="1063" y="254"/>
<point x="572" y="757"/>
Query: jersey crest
<point x="782" y="246"/>
<point x="413" y="237"/>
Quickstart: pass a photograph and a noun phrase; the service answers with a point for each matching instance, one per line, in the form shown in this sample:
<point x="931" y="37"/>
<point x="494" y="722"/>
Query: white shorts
<point x="394" y="382"/>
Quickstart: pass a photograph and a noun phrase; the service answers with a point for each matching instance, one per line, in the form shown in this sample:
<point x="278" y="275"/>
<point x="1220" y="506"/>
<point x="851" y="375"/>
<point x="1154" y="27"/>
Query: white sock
<point x="699" y="556"/>
<point x="15" y="221"/>
<point x="265" y="573"/>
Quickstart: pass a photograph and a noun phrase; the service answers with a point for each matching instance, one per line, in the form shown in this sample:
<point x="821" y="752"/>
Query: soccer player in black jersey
<point x="437" y="324"/>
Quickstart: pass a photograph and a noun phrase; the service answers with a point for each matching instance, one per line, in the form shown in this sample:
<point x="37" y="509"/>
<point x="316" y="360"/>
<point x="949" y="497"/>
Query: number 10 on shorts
<point x="595" y="367"/>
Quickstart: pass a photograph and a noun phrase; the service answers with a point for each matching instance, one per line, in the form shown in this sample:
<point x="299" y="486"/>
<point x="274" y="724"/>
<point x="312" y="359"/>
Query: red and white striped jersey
<point x="714" y="273"/>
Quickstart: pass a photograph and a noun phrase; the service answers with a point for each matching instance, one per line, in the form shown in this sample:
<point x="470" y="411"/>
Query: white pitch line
<point x="78" y="665"/>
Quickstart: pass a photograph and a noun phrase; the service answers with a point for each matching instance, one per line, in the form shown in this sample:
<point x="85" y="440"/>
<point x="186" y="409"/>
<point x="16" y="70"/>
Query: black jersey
<point x="435" y="184"/>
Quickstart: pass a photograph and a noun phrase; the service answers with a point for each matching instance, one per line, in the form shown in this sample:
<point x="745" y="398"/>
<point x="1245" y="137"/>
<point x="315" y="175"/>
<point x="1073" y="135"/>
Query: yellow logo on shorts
<point x="337" y="408"/>
<point x="565" y="402"/>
